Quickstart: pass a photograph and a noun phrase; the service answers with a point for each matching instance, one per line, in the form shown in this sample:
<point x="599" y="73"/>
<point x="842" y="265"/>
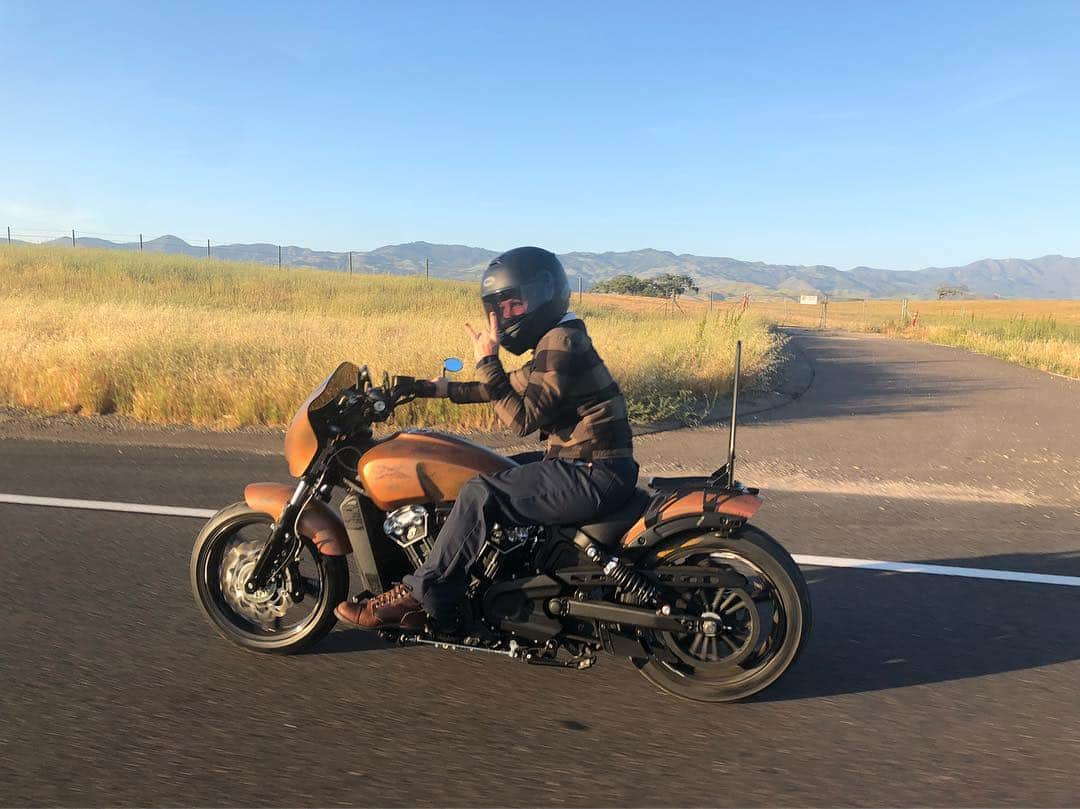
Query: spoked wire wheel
<point x="271" y="619"/>
<point x="752" y="634"/>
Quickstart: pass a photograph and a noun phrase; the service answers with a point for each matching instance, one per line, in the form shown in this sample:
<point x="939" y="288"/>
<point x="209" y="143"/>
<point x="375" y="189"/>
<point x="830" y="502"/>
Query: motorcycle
<point x="705" y="605"/>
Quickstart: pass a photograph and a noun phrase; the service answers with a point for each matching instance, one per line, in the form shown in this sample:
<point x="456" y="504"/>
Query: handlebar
<point x="374" y="404"/>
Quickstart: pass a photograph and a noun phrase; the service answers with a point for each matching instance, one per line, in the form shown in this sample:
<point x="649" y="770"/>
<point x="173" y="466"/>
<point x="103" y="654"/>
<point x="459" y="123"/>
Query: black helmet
<point x="527" y="290"/>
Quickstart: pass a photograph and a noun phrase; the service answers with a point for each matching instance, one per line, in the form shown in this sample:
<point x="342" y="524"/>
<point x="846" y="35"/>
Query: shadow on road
<point x="876" y="630"/>
<point x="350" y="640"/>
<point x="868" y="378"/>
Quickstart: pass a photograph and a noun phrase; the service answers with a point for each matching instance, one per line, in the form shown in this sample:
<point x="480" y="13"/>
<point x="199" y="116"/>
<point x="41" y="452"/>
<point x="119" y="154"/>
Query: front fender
<point x="318" y="522"/>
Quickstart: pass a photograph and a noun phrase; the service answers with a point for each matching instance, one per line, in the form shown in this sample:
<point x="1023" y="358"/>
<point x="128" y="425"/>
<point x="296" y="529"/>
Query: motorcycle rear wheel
<point x="223" y="556"/>
<point x="765" y="626"/>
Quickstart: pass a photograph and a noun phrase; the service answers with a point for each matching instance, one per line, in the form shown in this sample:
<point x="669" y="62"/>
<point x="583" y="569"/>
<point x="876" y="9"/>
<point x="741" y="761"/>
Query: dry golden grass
<point x="171" y="339"/>
<point x="1043" y="334"/>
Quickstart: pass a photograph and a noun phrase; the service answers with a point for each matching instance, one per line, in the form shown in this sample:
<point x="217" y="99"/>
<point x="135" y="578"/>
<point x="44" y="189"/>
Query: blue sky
<point x="896" y="135"/>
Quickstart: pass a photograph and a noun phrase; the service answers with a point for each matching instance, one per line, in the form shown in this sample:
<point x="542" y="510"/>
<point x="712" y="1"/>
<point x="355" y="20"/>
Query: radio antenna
<point x="734" y="409"/>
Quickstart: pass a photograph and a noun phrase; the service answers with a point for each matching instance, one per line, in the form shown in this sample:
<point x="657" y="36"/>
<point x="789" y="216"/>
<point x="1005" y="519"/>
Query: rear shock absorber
<point x="632" y="583"/>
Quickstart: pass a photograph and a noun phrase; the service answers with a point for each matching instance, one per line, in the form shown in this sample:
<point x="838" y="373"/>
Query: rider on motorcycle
<point x="566" y="392"/>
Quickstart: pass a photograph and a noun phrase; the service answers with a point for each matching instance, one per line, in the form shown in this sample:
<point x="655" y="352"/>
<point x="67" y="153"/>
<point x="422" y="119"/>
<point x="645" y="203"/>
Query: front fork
<point x="281" y="546"/>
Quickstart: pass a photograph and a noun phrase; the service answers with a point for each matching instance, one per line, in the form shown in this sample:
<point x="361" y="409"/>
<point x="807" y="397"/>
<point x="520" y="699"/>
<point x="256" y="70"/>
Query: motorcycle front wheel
<point x="761" y="627"/>
<point x="270" y="620"/>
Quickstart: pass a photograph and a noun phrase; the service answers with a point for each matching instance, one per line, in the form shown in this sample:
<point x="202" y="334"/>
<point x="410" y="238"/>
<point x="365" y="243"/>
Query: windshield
<point x="305" y="433"/>
<point x="344" y="376"/>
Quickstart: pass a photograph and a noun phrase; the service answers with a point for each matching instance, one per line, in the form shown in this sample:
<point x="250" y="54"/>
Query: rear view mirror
<point x="452" y="364"/>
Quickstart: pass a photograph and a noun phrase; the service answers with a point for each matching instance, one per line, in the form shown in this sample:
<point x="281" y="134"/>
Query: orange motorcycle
<point x="706" y="606"/>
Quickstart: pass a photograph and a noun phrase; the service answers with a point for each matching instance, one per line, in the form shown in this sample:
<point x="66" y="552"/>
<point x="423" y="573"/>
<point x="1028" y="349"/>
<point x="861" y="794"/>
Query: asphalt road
<point x="913" y="689"/>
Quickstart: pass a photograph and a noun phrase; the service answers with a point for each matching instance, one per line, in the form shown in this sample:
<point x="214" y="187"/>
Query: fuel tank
<point x="417" y="466"/>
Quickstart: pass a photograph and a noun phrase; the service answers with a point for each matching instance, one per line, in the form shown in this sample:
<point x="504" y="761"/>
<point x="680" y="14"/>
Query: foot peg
<point x="582" y="662"/>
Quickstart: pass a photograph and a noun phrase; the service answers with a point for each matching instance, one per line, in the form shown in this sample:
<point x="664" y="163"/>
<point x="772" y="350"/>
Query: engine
<point x="498" y="551"/>
<point x="514" y="605"/>
<point x="414" y="528"/>
<point x="409" y="526"/>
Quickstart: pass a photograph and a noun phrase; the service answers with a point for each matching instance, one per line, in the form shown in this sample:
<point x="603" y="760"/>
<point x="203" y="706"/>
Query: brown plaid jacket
<point x="565" y="391"/>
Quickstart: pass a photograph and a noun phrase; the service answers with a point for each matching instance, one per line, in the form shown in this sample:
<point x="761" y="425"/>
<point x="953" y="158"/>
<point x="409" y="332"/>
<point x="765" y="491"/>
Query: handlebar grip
<point x="409" y="386"/>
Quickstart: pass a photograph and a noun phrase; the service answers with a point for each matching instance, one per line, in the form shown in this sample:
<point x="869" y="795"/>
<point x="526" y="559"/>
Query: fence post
<point x="350" y="263"/>
<point x="427" y="269"/>
<point x="73" y="237"/>
<point x="208" y="248"/>
<point x="710" y="301"/>
<point x="9" y="234"/>
<point x="279" y="256"/>
<point x="140" y="242"/>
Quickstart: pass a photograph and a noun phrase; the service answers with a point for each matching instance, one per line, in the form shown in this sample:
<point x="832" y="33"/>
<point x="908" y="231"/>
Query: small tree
<point x="662" y="286"/>
<point x="952" y="291"/>
<point x="629" y="285"/>
<point x="672" y="286"/>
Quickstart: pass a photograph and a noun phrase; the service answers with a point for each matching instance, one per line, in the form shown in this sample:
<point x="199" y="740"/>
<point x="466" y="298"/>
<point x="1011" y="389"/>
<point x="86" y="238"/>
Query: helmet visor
<point x="513" y="303"/>
<point x="509" y="306"/>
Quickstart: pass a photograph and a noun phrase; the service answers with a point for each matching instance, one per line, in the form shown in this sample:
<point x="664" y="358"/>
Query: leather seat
<point x="609" y="529"/>
<point x="671" y="484"/>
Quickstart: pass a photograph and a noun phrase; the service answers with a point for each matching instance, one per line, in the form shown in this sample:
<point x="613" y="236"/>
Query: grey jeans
<point x="549" y="492"/>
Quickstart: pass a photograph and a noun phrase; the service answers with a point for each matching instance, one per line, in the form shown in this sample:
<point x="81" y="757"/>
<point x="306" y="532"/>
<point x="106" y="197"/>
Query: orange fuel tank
<point x="416" y="466"/>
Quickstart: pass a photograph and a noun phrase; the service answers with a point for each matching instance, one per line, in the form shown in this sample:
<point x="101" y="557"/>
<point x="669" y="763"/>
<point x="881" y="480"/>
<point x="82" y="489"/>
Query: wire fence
<point x="1030" y="320"/>
<point x="1024" y="317"/>
<point x="288" y="256"/>
<point x="261" y="253"/>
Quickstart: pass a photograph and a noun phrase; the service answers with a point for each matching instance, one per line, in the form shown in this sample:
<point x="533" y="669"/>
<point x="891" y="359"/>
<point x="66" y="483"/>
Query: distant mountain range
<point x="1045" y="277"/>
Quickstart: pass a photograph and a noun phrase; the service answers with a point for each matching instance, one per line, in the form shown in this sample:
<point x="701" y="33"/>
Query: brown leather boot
<point x="394" y="608"/>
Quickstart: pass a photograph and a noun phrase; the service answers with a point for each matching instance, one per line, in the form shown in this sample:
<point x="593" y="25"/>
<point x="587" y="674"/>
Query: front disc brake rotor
<point x="262" y="606"/>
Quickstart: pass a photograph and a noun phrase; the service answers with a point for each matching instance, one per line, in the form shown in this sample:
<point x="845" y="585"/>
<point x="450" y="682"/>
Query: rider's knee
<point x="474" y="490"/>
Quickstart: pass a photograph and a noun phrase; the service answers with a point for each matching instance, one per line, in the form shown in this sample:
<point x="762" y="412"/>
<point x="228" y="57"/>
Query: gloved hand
<point x="437" y="388"/>
<point x="485" y="341"/>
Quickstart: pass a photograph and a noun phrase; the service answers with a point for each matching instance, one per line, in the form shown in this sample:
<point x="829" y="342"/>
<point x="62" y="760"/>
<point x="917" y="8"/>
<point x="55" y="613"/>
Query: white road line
<point x="802" y="559"/>
<point x="938" y="570"/>
<point x="105" y="505"/>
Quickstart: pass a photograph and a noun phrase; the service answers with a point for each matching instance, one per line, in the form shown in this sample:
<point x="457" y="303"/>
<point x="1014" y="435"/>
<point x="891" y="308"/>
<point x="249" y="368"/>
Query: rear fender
<point x="318" y="522"/>
<point x="724" y="511"/>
